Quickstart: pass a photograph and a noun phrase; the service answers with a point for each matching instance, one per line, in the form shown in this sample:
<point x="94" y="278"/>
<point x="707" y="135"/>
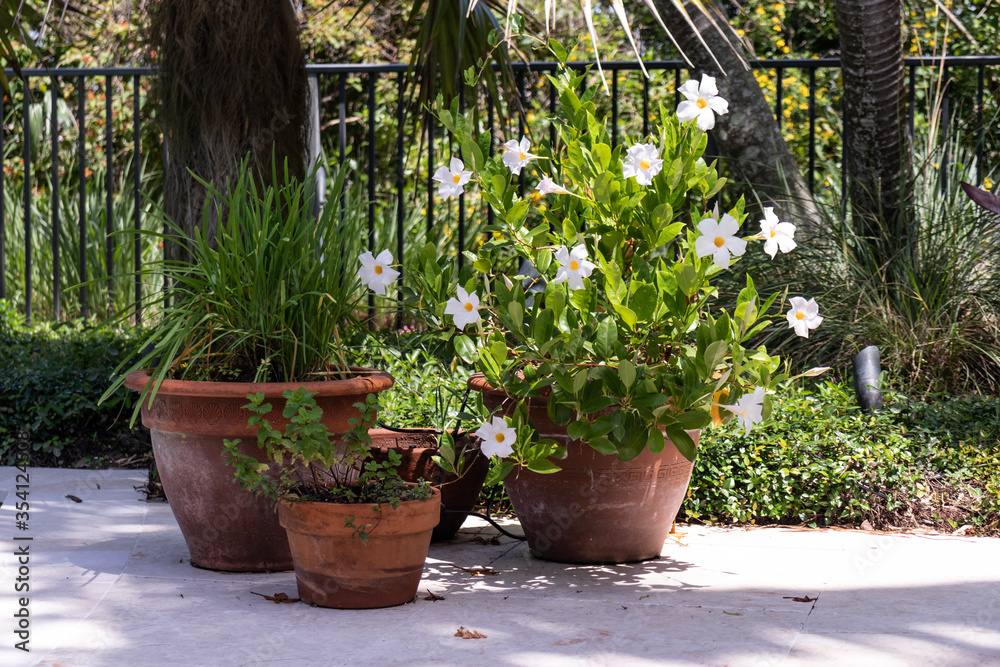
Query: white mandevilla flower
<point x="516" y="155"/>
<point x="718" y="239"/>
<point x="498" y="438"/>
<point x="452" y="179"/>
<point x="643" y="162"/>
<point x="463" y="307"/>
<point x="776" y="235"/>
<point x="375" y="272"/>
<point x="702" y="102"/>
<point x="749" y="409"/>
<point x="573" y="266"/>
<point x="548" y="187"/>
<point x="803" y="316"/>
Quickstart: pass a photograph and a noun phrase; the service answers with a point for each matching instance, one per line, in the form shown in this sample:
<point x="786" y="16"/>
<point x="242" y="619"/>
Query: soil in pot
<point x="417" y="447"/>
<point x="226" y="528"/>
<point x="335" y="568"/>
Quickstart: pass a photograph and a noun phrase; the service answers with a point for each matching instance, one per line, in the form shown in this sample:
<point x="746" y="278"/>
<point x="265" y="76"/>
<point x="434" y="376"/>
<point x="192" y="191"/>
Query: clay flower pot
<point x="335" y="568"/>
<point x="225" y="527"/>
<point x="417" y="447"/>
<point x="597" y="509"/>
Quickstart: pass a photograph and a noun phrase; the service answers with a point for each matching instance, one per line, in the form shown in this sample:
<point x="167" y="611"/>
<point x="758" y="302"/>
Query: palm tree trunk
<point x="231" y="85"/>
<point x="748" y="137"/>
<point x="871" y="45"/>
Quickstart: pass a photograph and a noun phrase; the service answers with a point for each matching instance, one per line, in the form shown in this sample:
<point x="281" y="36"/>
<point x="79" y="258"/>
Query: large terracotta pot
<point x="225" y="527"/>
<point x="335" y="568"/>
<point x="597" y="509"/>
<point x="417" y="448"/>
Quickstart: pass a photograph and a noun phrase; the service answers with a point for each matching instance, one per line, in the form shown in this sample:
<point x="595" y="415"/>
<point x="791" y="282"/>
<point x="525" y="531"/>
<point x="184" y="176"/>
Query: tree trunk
<point x="871" y="45"/>
<point x="748" y="137"/>
<point x="231" y="85"/>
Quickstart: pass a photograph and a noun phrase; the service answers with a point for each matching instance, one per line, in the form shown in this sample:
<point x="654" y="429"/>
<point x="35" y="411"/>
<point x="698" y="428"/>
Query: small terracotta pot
<point x="597" y="509"/>
<point x="417" y="448"/>
<point x="225" y="527"/>
<point x="334" y="568"/>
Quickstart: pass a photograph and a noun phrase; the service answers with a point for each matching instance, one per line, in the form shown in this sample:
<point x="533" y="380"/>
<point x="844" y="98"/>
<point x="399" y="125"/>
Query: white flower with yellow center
<point x="777" y="235"/>
<point x="749" y="409"/>
<point x="516" y="155"/>
<point x="803" y="316"/>
<point x="497" y="437"/>
<point x="643" y="162"/>
<point x="548" y="187"/>
<point x="463" y="307"/>
<point x="375" y="272"/>
<point x="573" y="266"/>
<point x="718" y="239"/>
<point x="702" y="102"/>
<point x="452" y="179"/>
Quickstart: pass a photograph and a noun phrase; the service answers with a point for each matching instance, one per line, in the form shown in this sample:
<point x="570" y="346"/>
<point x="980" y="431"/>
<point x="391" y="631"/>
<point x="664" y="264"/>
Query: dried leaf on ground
<point x="468" y="634"/>
<point x="478" y="571"/>
<point x="277" y="598"/>
<point x="493" y="541"/>
<point x="432" y="597"/>
<point x="867" y="525"/>
<point x="804" y="598"/>
<point x="73" y="498"/>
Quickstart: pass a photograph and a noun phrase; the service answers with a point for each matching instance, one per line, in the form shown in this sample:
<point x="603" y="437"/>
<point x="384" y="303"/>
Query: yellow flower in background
<point x="987" y="184"/>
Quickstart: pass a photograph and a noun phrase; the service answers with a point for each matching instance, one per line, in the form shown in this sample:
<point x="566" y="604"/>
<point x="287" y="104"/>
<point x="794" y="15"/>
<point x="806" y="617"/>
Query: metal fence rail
<point x="372" y="76"/>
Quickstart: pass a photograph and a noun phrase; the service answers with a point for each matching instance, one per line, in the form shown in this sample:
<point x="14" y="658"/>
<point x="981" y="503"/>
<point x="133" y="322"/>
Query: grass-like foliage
<point x="268" y="299"/>
<point x="928" y="296"/>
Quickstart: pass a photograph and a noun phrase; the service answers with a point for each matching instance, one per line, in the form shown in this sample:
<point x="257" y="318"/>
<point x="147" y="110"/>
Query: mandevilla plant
<point x="596" y="289"/>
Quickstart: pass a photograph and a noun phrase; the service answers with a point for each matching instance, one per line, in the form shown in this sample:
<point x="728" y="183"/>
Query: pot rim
<point x="373" y="380"/>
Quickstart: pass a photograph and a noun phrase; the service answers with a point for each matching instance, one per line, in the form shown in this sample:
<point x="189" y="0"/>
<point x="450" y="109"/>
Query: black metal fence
<point x="384" y="161"/>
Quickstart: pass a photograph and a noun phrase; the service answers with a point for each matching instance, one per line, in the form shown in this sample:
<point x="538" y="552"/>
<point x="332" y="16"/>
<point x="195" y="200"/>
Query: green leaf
<point x="626" y="371"/>
<point x="516" y="313"/>
<point x="607" y="336"/>
<point x="715" y="353"/>
<point x="543" y="466"/>
<point x="482" y="265"/>
<point x="685" y="445"/>
<point x="473" y="155"/>
<point x="542" y="326"/>
<point x="602" y="445"/>
<point x="466" y="349"/>
<point x="687" y="279"/>
<point x="655" y="440"/>
<point x="557" y="50"/>
<point x="643" y="302"/>
<point x="602" y="156"/>
<point x="627" y="315"/>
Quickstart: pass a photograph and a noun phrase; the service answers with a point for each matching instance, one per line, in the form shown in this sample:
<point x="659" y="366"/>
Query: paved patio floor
<point x="111" y="584"/>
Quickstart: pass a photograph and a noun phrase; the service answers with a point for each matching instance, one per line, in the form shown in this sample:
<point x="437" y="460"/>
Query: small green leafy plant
<point x="313" y="466"/>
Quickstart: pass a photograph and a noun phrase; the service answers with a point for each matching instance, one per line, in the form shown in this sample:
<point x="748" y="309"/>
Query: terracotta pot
<point x="334" y="568"/>
<point x="458" y="494"/>
<point x="597" y="509"/>
<point x="225" y="527"/>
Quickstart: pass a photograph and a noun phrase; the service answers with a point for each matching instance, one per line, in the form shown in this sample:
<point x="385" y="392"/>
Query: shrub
<point x="820" y="461"/>
<point x="51" y="376"/>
